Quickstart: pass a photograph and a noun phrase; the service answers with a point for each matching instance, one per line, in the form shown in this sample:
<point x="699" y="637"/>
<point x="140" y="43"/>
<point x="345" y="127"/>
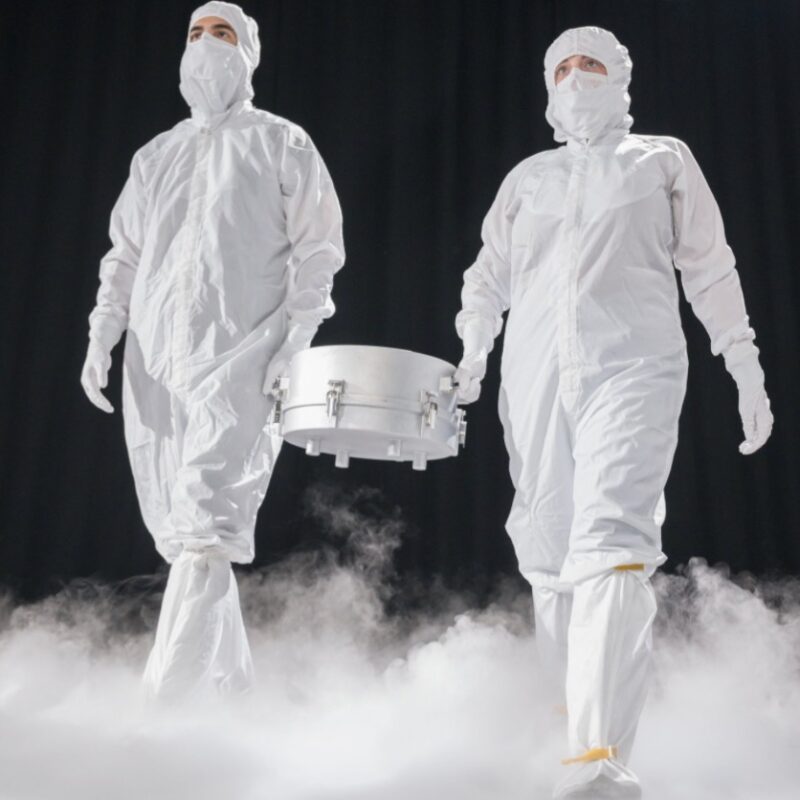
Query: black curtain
<point x="419" y="107"/>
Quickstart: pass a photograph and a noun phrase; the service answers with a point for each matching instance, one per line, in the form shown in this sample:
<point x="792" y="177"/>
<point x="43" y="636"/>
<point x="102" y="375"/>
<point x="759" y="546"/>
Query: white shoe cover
<point x="608" y="675"/>
<point x="201" y="646"/>
<point x="615" y="783"/>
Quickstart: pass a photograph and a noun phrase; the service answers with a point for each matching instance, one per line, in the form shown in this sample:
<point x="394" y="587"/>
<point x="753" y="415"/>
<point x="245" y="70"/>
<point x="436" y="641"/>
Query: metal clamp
<point x="461" y="420"/>
<point x="278" y="391"/>
<point x="333" y="400"/>
<point x="430" y="409"/>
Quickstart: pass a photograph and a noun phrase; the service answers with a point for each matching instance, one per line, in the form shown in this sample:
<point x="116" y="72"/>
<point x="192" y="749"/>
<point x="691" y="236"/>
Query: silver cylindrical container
<point x="356" y="401"/>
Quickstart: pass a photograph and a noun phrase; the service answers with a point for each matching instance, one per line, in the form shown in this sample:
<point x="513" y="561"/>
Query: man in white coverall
<point x="579" y="246"/>
<point x="226" y="238"/>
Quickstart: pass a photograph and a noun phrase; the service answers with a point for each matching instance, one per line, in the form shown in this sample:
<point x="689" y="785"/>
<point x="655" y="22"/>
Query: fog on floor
<point x="359" y="699"/>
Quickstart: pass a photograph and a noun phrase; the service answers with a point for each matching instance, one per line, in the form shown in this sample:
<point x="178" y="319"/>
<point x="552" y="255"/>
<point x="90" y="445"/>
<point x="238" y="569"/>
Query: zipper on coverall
<point x="188" y="262"/>
<point x="568" y="358"/>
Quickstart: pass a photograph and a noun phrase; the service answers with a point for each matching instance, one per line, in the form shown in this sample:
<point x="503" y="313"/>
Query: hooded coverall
<point x="226" y="238"/>
<point x="581" y="246"/>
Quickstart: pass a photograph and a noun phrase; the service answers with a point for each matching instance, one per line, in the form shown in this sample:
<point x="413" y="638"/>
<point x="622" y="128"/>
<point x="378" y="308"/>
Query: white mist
<point x="352" y="703"/>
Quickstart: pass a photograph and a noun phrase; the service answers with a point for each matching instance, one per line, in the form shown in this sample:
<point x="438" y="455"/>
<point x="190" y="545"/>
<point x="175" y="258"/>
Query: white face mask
<point x="213" y="74"/>
<point x="584" y="104"/>
<point x="579" y="80"/>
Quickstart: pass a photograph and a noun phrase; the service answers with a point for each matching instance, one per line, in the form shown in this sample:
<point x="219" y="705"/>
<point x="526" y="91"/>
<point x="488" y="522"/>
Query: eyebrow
<point x="582" y="55"/>
<point x="215" y="26"/>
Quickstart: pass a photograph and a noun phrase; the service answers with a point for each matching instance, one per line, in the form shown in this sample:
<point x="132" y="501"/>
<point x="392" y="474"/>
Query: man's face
<point x="214" y="26"/>
<point x="585" y="63"/>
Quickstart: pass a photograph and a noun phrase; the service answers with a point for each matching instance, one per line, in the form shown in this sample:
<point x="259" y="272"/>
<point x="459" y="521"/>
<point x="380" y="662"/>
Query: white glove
<point x="741" y="361"/>
<point x="94" y="375"/>
<point x="478" y="342"/>
<point x="468" y="378"/>
<point x="298" y="338"/>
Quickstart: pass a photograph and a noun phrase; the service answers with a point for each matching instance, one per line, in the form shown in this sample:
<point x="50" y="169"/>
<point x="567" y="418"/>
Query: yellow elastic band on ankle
<point x="630" y="568"/>
<point x="595" y="754"/>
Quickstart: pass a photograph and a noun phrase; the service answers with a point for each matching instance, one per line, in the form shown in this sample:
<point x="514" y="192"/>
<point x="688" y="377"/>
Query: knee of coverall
<point x="228" y="458"/>
<point x="540" y="545"/>
<point x="608" y="537"/>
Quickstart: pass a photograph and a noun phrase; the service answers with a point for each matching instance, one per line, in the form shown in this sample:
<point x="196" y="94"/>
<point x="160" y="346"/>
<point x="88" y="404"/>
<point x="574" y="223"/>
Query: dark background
<point x="419" y="107"/>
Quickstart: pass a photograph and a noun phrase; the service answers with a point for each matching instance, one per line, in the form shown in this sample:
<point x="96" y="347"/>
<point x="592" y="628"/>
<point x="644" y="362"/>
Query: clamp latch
<point x="461" y="423"/>
<point x="430" y="409"/>
<point x="279" y="390"/>
<point x="333" y="400"/>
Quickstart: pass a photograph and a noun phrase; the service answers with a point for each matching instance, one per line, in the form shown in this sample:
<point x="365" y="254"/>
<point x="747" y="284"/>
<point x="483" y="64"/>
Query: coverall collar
<point x="215" y="120"/>
<point x="608" y="139"/>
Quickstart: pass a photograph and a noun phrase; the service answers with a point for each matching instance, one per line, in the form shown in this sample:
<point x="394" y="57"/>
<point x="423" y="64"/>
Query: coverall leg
<point x="589" y="556"/>
<point x="201" y="459"/>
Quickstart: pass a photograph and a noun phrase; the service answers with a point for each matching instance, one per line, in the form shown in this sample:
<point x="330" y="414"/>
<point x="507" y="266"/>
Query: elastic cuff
<point x="745" y="368"/>
<point x="478" y="343"/>
<point x="739" y="333"/>
<point x="467" y="318"/>
<point x="107" y="339"/>
<point x="739" y="352"/>
<point x="300" y="335"/>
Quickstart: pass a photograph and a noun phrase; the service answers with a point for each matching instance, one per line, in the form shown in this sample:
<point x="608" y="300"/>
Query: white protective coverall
<point x="580" y="246"/>
<point x="226" y="238"/>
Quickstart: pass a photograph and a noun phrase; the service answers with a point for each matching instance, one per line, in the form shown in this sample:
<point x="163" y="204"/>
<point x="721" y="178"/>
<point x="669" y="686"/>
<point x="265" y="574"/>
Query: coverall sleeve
<point x="704" y="259"/>
<point x="314" y="229"/>
<point x="486" y="294"/>
<point x="109" y="318"/>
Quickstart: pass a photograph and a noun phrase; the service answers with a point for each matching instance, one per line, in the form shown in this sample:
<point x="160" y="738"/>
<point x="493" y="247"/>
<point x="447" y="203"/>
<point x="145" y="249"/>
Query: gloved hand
<point x="468" y="377"/>
<point x="741" y="361"/>
<point x="478" y="341"/>
<point x="94" y="375"/>
<point x="298" y="338"/>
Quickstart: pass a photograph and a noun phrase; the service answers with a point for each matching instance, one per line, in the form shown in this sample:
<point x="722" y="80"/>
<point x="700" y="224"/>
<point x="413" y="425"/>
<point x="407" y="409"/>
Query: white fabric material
<point x="298" y="338"/>
<point x="94" y="375"/>
<point x="213" y="74"/>
<point x="552" y="611"/>
<point x="201" y="643"/>
<point x="247" y="49"/>
<point x="741" y="361"/>
<point x="226" y="236"/>
<point x="591" y="112"/>
<point x="478" y="339"/>
<point x="246" y="28"/>
<point x="581" y="104"/>
<point x="610" y="647"/>
<point x="581" y="247"/>
<point x="580" y="80"/>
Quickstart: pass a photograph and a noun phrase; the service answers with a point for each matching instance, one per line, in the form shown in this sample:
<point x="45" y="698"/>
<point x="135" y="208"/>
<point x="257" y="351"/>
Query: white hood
<point x="195" y="75"/>
<point x="610" y="103"/>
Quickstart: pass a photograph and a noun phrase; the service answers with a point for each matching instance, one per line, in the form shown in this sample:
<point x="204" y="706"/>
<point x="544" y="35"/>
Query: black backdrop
<point x="419" y="107"/>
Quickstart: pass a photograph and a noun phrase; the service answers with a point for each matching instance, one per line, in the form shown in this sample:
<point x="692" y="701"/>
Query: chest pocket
<point x="536" y="226"/>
